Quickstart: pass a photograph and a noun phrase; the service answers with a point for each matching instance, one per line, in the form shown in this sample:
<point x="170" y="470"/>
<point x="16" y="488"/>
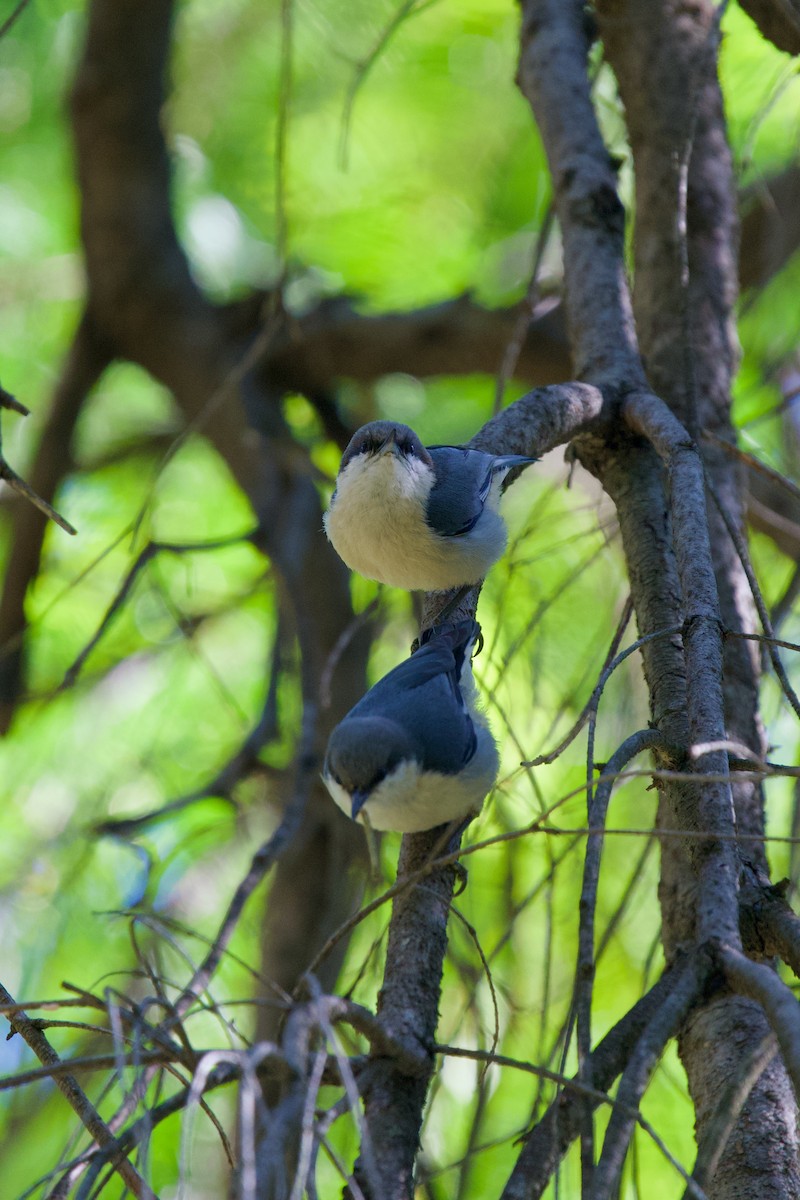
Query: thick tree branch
<point x="760" y="982"/>
<point x="778" y="20"/>
<point x="553" y="77"/>
<point x="717" y="864"/>
<point x="663" y="53"/>
<point x="408" y="1008"/>
<point x="87" y="359"/>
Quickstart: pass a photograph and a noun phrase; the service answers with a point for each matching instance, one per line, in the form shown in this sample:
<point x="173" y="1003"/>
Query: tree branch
<point x="408" y="1008"/>
<point x="74" y="1095"/>
<point x="759" y="982"/>
<point x="644" y="739"/>
<point x="778" y="20"/>
<point x="86" y="360"/>
<point x="551" y="1137"/>
<point x="685" y="994"/>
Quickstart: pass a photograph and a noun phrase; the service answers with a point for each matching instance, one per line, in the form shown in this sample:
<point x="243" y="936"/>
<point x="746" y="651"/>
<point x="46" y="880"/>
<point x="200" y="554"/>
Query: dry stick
<point x="718" y="869"/>
<point x="643" y="739"/>
<point x="351" y="1088"/>
<point x="763" y="611"/>
<point x="8" y="401"/>
<point x="687" y="990"/>
<point x="759" y="982"/>
<point x="720" y="1126"/>
<point x="305" y="1154"/>
<point x="74" y="1095"/>
<point x="264" y="858"/>
<point x="86" y="1062"/>
<point x="144" y="1125"/>
<point x="18" y="484"/>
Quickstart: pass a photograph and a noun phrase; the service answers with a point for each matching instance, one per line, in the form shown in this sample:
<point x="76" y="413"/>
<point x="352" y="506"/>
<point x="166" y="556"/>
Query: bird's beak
<point x="390" y="444"/>
<point x="358" y="800"/>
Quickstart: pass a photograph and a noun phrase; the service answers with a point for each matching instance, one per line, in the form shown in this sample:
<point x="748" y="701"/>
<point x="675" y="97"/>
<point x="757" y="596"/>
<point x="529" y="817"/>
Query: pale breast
<point x="377" y="526"/>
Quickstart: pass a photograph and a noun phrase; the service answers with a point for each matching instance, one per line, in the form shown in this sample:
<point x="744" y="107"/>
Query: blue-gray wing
<point x="423" y="695"/>
<point x="463" y="480"/>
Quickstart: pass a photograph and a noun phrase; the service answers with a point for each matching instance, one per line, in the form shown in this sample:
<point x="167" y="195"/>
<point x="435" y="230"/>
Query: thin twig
<point x="149" y="552"/>
<point x="636" y="743"/>
<point x="74" y="1095"/>
<point x="770" y="473"/>
<point x="406" y="9"/>
<point x="9" y="21"/>
<point x="18" y="484"/>
<point x="594" y="699"/>
<point x="526" y="314"/>
<point x="685" y="993"/>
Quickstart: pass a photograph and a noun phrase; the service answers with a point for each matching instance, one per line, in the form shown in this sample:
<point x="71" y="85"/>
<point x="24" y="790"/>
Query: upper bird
<point x="415" y="752"/>
<point x="417" y="517"/>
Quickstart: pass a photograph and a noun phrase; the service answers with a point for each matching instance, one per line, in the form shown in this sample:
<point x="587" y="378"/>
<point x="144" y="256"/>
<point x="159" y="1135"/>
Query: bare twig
<point x="16" y="482"/>
<point x="9" y="21"/>
<point x="75" y="1096"/>
<point x="686" y="992"/>
<point x="551" y="1137"/>
<point x="644" y="739"/>
<point x="150" y="551"/>
<point x="594" y="699"/>
<point x="264" y="858"/>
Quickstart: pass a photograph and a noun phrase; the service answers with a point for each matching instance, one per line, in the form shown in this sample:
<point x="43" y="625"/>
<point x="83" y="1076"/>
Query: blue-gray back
<point x="422" y="695"/>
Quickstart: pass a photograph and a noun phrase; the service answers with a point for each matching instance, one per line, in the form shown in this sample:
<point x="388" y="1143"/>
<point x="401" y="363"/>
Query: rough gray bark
<point x="663" y="55"/>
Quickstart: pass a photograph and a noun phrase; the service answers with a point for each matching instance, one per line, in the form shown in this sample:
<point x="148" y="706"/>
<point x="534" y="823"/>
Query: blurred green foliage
<point x="410" y="177"/>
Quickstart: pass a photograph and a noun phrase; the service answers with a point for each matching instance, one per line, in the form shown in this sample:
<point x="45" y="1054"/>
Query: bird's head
<point x="381" y="438"/>
<point x="362" y="753"/>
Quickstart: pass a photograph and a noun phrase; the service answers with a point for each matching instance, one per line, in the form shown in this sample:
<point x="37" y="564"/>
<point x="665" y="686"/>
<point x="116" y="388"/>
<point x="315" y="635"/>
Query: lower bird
<point x="416" y="751"/>
<point x="416" y="517"/>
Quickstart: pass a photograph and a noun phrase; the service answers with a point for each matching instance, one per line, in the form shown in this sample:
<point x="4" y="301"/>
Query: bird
<point x="417" y="517"/>
<point x="416" y="751"/>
